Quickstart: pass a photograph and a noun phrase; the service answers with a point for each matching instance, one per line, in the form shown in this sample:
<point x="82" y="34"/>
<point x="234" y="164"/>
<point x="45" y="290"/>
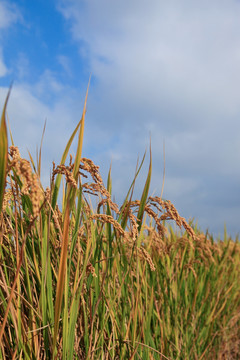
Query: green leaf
<point x="145" y="193"/>
<point x="3" y="151"/>
<point x="80" y="139"/>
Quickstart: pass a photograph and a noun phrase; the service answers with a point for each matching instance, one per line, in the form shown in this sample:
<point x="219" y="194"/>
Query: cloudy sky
<point x="166" y="68"/>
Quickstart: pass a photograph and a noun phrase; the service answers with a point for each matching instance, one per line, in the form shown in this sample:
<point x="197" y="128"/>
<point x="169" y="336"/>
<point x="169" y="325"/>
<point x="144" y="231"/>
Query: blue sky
<point x="171" y="69"/>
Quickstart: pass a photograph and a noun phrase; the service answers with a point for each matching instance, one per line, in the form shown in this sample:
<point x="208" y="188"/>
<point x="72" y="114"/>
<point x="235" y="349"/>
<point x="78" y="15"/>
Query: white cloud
<point x="48" y="84"/>
<point x="23" y="66"/>
<point x="179" y="50"/>
<point x="64" y="61"/>
<point x="3" y="68"/>
<point x="9" y="13"/>
<point x="172" y="68"/>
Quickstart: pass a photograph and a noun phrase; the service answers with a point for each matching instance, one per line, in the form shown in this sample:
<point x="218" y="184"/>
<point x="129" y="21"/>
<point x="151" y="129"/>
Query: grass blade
<point x="39" y="158"/>
<point x="3" y="151"/>
<point x="80" y="139"/>
<point x="145" y="193"/>
<point x="61" y="276"/>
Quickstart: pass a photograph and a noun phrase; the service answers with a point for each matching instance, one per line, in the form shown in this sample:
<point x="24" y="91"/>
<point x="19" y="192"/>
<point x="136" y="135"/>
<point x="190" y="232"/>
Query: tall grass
<point x="111" y="282"/>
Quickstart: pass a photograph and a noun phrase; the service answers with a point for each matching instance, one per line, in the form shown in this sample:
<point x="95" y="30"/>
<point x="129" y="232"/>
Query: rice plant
<point x="111" y="282"/>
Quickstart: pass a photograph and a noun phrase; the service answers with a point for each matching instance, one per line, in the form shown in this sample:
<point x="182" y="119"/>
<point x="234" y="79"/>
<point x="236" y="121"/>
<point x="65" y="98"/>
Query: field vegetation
<point x="107" y="282"/>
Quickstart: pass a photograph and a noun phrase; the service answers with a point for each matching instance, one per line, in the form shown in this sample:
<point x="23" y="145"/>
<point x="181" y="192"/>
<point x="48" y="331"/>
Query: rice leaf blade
<point x="3" y="151"/>
<point x="144" y="197"/>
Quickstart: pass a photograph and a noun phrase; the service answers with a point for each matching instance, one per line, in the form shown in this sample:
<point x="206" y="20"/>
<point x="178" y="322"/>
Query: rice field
<point x="110" y="282"/>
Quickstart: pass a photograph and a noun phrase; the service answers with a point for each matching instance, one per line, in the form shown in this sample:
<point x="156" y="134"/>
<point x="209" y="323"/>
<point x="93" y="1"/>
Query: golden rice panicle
<point x="109" y="219"/>
<point x="47" y="194"/>
<point x="147" y="257"/>
<point x="36" y="195"/>
<point x="98" y="186"/>
<point x="157" y="201"/>
<point x="31" y="184"/>
<point x="57" y="219"/>
<point x="14" y="156"/>
<point x="156" y="239"/>
<point x="7" y="197"/>
<point x="91" y="270"/>
<point x="160" y="227"/>
<point x="92" y="169"/>
<point x="111" y="204"/>
<point x="134" y="231"/>
<point x="172" y="213"/>
<point x="189" y="229"/>
<point x="67" y="171"/>
<point x="127" y="211"/>
<point x="180" y="221"/>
